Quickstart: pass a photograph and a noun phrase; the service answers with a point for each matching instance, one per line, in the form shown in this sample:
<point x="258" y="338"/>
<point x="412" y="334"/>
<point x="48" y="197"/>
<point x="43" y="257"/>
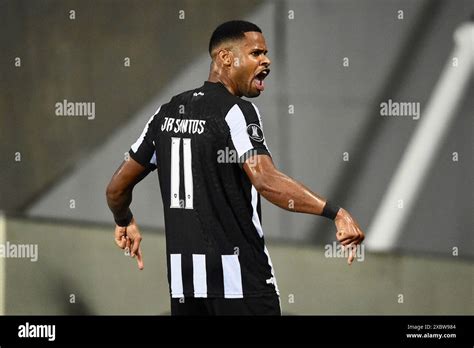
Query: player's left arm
<point x="119" y="196"/>
<point x="281" y="190"/>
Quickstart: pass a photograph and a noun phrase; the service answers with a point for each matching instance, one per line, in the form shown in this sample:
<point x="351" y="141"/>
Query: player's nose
<point x="266" y="61"/>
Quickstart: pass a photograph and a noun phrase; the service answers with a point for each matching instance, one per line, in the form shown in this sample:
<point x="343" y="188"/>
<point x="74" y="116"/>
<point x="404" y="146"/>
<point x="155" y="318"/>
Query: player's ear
<point x="225" y="56"/>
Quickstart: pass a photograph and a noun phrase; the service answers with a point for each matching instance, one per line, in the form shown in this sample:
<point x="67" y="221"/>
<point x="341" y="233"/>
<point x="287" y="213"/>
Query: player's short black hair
<point x="232" y="30"/>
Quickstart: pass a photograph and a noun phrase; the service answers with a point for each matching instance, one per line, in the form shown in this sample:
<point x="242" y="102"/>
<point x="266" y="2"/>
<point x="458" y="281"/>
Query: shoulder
<point x="244" y="108"/>
<point x="173" y="104"/>
<point x="181" y="98"/>
<point x="239" y="105"/>
<point x="249" y="107"/>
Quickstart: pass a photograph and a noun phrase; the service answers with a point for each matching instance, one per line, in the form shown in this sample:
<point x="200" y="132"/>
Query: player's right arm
<point x="291" y="195"/>
<point x="119" y="196"/>
<point x="141" y="162"/>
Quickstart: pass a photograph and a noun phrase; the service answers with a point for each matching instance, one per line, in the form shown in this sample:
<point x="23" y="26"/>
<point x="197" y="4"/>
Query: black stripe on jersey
<point x="250" y="153"/>
<point x="215" y="275"/>
<point x="259" y="209"/>
<point x="182" y="192"/>
<point x="187" y="273"/>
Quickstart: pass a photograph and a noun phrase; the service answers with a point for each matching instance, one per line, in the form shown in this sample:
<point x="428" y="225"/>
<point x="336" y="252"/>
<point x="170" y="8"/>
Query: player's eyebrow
<point x="259" y="51"/>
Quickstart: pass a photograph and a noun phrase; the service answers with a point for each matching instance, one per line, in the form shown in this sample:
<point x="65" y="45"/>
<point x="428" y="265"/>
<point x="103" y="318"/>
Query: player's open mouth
<point x="259" y="79"/>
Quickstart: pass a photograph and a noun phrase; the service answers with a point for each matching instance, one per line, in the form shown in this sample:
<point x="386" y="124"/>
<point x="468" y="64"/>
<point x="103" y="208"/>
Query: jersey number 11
<point x="188" y="174"/>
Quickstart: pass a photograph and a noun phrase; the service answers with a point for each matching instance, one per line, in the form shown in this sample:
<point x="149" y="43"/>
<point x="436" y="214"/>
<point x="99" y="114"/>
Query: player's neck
<point x="216" y="77"/>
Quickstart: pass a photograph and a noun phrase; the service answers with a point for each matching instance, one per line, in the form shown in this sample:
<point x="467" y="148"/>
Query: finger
<point x="127" y="251"/>
<point x="128" y="242"/>
<point x="357" y="231"/>
<point x="119" y="238"/>
<point x="361" y="235"/>
<point x="351" y="254"/>
<point x="350" y="240"/>
<point x="354" y="235"/>
<point x="120" y="242"/>
<point x="136" y="245"/>
<point x="347" y="241"/>
<point x="358" y="239"/>
<point x="141" y="265"/>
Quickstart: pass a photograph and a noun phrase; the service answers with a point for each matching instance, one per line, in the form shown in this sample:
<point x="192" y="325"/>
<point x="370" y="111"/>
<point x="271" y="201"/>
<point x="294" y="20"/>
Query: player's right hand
<point x="129" y="238"/>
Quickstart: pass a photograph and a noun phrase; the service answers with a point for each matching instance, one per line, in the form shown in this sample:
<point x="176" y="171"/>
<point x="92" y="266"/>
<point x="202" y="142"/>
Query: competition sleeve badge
<point x="255" y="132"/>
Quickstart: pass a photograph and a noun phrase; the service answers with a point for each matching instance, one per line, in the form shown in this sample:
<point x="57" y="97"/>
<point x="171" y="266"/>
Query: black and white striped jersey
<point x="214" y="238"/>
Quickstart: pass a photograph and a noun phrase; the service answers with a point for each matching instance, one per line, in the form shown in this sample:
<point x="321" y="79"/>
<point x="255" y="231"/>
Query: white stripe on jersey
<point x="188" y="173"/>
<point x="258" y="227"/>
<point x="255" y="218"/>
<point x="232" y="276"/>
<point x="274" y="281"/>
<point x="139" y="141"/>
<point x="238" y="130"/>
<point x="176" y="276"/>
<point x="199" y="275"/>
<point x="175" y="180"/>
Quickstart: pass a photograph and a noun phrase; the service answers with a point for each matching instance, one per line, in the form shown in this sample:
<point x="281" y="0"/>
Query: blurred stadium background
<point x="321" y="119"/>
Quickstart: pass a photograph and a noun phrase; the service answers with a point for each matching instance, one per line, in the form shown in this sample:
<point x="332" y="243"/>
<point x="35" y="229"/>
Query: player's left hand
<point x="348" y="233"/>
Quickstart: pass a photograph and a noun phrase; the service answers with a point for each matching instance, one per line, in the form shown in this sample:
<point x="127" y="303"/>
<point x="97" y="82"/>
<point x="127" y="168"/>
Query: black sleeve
<point x="143" y="150"/>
